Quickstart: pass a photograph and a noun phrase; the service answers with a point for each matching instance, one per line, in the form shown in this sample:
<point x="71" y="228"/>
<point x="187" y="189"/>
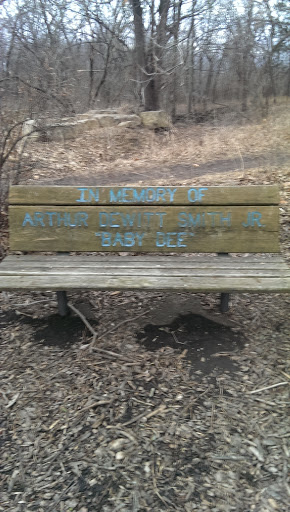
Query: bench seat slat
<point x="224" y="284"/>
<point x="28" y="272"/>
<point x="195" y="262"/>
<point x="162" y="272"/>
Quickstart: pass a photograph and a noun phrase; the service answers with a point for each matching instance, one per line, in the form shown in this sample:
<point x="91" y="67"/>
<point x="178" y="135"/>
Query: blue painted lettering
<point x="128" y="239"/>
<point x="87" y="195"/>
<point x="182" y="219"/>
<point x="93" y="196"/>
<point x="126" y="195"/>
<point x="160" y="194"/>
<point x="171" y="193"/>
<point x="213" y="216"/>
<point x="50" y="217"/>
<point x="56" y="219"/>
<point x="180" y="240"/>
<point x="195" y="195"/>
<point x="139" y="237"/>
<point x="253" y="218"/>
<point x="61" y="219"/>
<point x="128" y="219"/>
<point x="161" y="215"/>
<point x="27" y="220"/>
<point x="105" y="238"/>
<point x="150" y="195"/>
<point x="160" y="239"/>
<point x="103" y="219"/>
<point x="113" y="220"/>
<point x="171" y="242"/>
<point x="145" y="195"/>
<point x="188" y="220"/>
<point x="147" y="216"/>
<point x="81" y="218"/>
<point x="70" y="223"/>
<point x="82" y="196"/>
<point x="170" y="239"/>
<point x="138" y="197"/>
<point x="196" y="221"/>
<point x="38" y="219"/>
<point x="137" y="220"/>
<point x="226" y="220"/>
<point x="115" y="197"/>
<point x="118" y="239"/>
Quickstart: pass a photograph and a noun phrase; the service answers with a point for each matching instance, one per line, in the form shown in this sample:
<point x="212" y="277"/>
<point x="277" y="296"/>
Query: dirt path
<point x="130" y="174"/>
<point x="177" y="171"/>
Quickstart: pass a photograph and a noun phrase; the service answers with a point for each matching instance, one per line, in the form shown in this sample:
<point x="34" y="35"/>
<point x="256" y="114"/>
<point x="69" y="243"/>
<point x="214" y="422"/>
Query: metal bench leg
<point x="63" y="308"/>
<point x="224" y="304"/>
<point x="225" y="297"/>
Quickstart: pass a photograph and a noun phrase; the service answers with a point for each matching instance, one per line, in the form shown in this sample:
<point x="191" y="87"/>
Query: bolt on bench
<point x="222" y="220"/>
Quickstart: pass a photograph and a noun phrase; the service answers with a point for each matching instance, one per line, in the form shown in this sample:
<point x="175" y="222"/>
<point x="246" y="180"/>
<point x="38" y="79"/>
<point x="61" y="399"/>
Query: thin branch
<point x="95" y="334"/>
<point x="30" y="303"/>
<point x="93" y="405"/>
<point x="268" y="387"/>
<point x="4" y="156"/>
<point x="160" y="409"/>
<point x="83" y="318"/>
<point x="39" y="89"/>
<point x="122" y="323"/>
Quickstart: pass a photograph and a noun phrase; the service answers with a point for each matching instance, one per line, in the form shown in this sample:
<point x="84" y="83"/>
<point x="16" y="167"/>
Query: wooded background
<point x="65" y="56"/>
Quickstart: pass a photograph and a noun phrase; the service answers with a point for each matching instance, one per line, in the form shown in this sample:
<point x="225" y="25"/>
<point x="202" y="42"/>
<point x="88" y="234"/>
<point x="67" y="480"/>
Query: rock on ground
<point x="71" y="127"/>
<point x="155" y="119"/>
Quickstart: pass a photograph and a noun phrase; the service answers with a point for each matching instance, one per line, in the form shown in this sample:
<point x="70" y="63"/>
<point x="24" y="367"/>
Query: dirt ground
<point x="176" y="407"/>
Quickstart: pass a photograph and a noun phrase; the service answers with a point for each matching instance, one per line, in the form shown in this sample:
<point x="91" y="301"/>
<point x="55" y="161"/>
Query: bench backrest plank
<point x="148" y="219"/>
<point x="148" y="196"/>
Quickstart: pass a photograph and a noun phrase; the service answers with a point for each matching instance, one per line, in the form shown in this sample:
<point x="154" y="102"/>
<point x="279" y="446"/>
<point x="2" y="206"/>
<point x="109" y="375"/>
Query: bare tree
<point x="150" y="49"/>
<point x="60" y="57"/>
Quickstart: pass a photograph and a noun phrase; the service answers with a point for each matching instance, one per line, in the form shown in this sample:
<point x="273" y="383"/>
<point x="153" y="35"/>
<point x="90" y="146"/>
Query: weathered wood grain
<point x="153" y="272"/>
<point x="212" y="283"/>
<point x="110" y="272"/>
<point x="211" y="229"/>
<point x="108" y="261"/>
<point x="161" y="196"/>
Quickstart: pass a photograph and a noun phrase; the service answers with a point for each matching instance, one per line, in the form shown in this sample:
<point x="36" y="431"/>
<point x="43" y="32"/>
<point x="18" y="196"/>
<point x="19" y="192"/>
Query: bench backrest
<point x="147" y="219"/>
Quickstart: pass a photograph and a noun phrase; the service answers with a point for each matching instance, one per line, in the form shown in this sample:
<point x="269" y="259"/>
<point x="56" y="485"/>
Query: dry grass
<point x="204" y="142"/>
<point x="117" y="148"/>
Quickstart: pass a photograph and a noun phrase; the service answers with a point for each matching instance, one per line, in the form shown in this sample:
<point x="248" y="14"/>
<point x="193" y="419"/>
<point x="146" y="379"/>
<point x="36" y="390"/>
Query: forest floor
<point x="175" y="408"/>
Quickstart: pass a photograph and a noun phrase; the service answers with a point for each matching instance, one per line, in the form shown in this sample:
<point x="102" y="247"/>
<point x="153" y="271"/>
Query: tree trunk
<point x="215" y="81"/>
<point x="208" y="82"/>
<point x="150" y="63"/>
<point x="244" y="83"/>
<point x="140" y="47"/>
<point x="191" y="37"/>
<point x="177" y="14"/>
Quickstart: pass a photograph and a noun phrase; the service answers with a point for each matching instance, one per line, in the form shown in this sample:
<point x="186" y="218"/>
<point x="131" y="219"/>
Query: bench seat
<point x="195" y="273"/>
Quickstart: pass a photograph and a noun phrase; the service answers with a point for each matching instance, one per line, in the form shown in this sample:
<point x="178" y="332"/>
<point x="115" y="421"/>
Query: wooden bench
<point x="160" y="220"/>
